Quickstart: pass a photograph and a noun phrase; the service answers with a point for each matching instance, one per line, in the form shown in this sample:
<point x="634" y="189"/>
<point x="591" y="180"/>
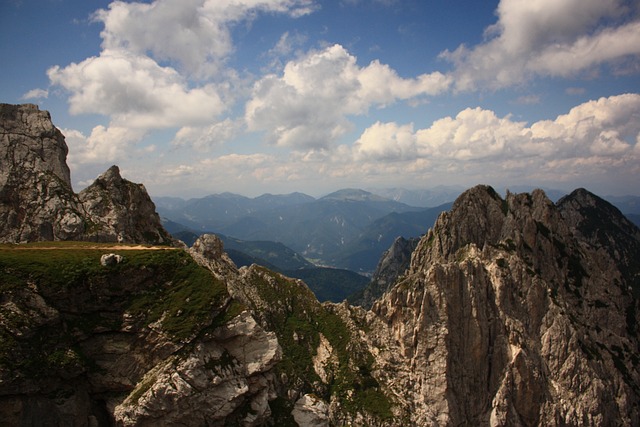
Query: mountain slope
<point x="513" y="311"/>
<point x="508" y="317"/>
<point x="317" y="229"/>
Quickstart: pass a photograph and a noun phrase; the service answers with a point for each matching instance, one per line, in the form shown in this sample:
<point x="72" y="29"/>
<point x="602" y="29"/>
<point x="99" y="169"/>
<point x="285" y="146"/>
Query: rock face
<point x="507" y="316"/>
<point x="36" y="198"/>
<point x="512" y="312"/>
<point x="152" y="340"/>
<point x="393" y="263"/>
<point x="121" y="211"/>
<point x="604" y="228"/>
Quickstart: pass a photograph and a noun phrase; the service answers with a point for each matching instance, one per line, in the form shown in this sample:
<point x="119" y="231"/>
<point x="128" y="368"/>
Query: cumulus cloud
<point x="104" y="145"/>
<point x="204" y="138"/>
<point x="308" y="105"/>
<point x="388" y="141"/>
<point x="547" y="38"/>
<point x="195" y="34"/>
<point x="36" y="94"/>
<point x="135" y="91"/>
<point x="591" y="138"/>
<point x="161" y="67"/>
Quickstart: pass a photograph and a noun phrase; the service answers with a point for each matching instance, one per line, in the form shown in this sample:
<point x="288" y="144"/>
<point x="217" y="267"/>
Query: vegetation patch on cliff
<point x="298" y="319"/>
<point x="57" y="293"/>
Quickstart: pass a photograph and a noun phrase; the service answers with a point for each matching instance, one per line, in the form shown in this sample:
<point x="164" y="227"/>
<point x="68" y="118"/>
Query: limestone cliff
<point x="121" y="211"/>
<point x="36" y="198"/>
<point x="393" y="263"/>
<point x="512" y="312"/>
<point x="507" y="316"/>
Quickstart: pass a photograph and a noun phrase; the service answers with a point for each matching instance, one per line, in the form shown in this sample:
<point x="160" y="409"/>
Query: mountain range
<point x="347" y="229"/>
<point x="511" y="311"/>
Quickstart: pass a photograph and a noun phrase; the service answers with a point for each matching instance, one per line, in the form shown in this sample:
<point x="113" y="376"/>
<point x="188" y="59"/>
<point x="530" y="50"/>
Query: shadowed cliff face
<point x="508" y="316"/>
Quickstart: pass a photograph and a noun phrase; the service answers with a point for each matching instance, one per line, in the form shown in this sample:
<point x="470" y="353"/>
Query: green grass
<point x="294" y="312"/>
<point x="149" y="284"/>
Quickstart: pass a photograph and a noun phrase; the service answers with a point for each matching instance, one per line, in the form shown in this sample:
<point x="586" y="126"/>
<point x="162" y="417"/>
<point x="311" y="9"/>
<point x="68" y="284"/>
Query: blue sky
<point x="194" y="97"/>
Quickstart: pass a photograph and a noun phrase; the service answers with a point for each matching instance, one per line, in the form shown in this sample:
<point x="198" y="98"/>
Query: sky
<point x="197" y="97"/>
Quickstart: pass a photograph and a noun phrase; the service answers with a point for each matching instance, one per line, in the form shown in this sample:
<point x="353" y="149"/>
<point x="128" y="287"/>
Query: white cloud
<point x="591" y="138"/>
<point x="178" y="171"/>
<point x="592" y="141"/>
<point x="204" y="138"/>
<point x="546" y="38"/>
<point x="307" y="107"/>
<point x="36" y="94"/>
<point x="192" y="33"/>
<point x="143" y="79"/>
<point x="104" y="145"/>
<point x="474" y="134"/>
<point x="135" y="91"/>
<point x="386" y="141"/>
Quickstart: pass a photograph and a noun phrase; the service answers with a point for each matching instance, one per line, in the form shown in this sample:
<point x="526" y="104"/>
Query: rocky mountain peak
<point x="507" y="316"/>
<point x="123" y="209"/>
<point x="208" y="250"/>
<point x="36" y="198"/>
<point x="111" y="175"/>
<point x="29" y="141"/>
<point x="606" y="229"/>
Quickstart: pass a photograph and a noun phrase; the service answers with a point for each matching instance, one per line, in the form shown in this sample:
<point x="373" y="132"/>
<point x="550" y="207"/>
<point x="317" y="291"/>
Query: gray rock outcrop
<point x="393" y="263"/>
<point x="507" y="317"/>
<point x="119" y="210"/>
<point x="37" y="201"/>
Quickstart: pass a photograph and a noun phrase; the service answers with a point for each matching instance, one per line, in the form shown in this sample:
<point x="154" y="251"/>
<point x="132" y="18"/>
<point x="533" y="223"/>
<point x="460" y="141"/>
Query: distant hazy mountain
<point x="349" y="228"/>
<point x="425" y="198"/>
<point x="219" y="210"/>
<point x="275" y="254"/>
<point x="363" y="253"/>
<point x="316" y="228"/>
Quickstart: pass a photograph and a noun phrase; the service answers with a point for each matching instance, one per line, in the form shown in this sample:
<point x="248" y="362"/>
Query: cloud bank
<point x="547" y="38"/>
<point x="591" y="139"/>
<point x="308" y="106"/>
<point x="288" y="125"/>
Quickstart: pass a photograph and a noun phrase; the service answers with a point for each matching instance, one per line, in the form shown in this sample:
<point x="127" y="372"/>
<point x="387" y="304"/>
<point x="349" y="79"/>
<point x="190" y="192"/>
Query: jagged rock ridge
<point x="36" y="198"/>
<point x="393" y="263"/>
<point x="507" y="316"/>
<point x="513" y="311"/>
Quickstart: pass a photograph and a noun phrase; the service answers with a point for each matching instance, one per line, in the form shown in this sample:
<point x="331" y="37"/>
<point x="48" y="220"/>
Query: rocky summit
<point x="509" y="311"/>
<point x="36" y="198"/>
<point x="509" y="316"/>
